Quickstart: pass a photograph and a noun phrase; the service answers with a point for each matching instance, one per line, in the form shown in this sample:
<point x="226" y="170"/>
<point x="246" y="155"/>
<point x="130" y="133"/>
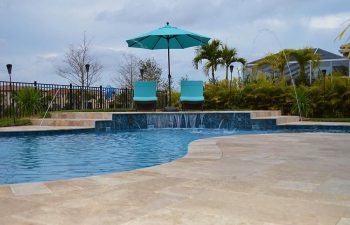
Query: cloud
<point x="334" y="21"/>
<point x="48" y="56"/>
<point x="35" y="34"/>
<point x="271" y="23"/>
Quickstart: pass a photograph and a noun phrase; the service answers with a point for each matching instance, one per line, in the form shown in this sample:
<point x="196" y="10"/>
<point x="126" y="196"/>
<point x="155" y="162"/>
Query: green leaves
<point x="210" y="52"/>
<point x="215" y="53"/>
<point x="302" y="101"/>
<point x="304" y="56"/>
<point x="318" y="100"/>
<point x="29" y="101"/>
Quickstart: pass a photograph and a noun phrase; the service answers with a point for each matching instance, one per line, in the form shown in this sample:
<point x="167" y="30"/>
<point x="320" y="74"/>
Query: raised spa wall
<point x="213" y="120"/>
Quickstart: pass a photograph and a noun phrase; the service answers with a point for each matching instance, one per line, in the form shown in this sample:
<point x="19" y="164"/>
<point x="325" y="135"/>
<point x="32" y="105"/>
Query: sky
<point x="35" y="34"/>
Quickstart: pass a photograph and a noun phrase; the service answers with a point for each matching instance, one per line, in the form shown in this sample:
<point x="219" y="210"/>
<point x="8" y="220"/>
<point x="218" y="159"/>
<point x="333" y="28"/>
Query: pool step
<point x="265" y="113"/>
<point x="82" y="115"/>
<point x="66" y="122"/>
<point x="280" y="120"/>
<point x="286" y="119"/>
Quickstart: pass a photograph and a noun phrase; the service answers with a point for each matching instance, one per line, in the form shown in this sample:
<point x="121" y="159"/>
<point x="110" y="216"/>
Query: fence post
<point x="101" y="97"/>
<point x="35" y="85"/>
<point x="71" y="96"/>
<point x="125" y="98"/>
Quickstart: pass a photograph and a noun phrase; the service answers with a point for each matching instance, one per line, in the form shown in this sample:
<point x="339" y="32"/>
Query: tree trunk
<point x="226" y="73"/>
<point x="302" y="75"/>
<point x="213" y="74"/>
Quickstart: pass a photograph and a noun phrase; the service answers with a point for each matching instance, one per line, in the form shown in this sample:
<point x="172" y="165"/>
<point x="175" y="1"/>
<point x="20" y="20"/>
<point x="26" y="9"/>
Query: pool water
<point x="60" y="156"/>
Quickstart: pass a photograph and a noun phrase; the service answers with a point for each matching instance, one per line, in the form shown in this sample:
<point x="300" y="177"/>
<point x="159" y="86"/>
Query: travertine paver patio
<point x="299" y="178"/>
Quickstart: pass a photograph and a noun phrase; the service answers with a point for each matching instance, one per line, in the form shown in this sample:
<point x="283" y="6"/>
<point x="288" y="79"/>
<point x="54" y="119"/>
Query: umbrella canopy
<point x="168" y="37"/>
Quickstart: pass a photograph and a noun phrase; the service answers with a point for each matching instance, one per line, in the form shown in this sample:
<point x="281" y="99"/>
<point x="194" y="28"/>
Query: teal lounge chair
<point x="145" y="94"/>
<point x="191" y="94"/>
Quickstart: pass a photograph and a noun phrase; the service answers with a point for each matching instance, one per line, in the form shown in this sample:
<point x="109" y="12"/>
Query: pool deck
<point x="269" y="179"/>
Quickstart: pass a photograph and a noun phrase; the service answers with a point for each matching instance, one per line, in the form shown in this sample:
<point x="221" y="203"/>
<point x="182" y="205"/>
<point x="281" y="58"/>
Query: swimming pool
<point x="29" y="158"/>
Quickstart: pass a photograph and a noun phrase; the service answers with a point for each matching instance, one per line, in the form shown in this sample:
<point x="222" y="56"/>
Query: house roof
<point x="324" y="55"/>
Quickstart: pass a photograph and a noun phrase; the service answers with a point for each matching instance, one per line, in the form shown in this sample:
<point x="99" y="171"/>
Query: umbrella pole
<point x="169" y="108"/>
<point x="169" y="75"/>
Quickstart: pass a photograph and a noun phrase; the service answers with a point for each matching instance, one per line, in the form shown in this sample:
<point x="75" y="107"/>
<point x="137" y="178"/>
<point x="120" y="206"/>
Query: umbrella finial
<point x="167" y="23"/>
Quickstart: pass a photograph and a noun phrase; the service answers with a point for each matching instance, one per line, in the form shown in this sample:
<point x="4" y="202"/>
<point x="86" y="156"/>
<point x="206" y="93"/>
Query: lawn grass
<point x="8" y="122"/>
<point x="347" y="120"/>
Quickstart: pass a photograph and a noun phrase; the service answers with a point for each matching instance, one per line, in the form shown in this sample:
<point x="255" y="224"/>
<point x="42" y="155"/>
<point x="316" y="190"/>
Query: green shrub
<point x="29" y="101"/>
<point x="329" y="99"/>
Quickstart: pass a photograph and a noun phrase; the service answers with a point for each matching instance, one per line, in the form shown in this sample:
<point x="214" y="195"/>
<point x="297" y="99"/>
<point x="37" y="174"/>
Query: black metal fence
<point x="57" y="97"/>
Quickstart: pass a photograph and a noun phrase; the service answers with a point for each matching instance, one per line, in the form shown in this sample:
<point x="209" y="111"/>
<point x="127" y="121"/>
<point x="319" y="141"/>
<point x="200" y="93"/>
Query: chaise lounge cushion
<point x="191" y="91"/>
<point x="145" y="99"/>
<point x="191" y="99"/>
<point x="145" y="91"/>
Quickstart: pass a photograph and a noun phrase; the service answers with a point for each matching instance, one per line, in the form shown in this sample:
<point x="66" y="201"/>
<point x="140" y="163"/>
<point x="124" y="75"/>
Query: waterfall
<point x="201" y="125"/>
<point x="176" y="120"/>
<point x="192" y="118"/>
<point x="186" y="120"/>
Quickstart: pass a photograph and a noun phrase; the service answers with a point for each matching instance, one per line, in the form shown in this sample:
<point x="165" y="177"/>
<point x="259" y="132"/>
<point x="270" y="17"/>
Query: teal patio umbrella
<point x="168" y="37"/>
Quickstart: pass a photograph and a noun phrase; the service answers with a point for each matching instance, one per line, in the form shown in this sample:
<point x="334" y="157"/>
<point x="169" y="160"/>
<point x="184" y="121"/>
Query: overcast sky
<point x="34" y="34"/>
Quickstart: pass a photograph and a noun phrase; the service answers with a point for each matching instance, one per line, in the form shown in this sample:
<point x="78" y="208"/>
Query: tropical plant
<point x="302" y="102"/>
<point x="277" y="61"/>
<point x="304" y="56"/>
<point x="344" y="31"/>
<point x="210" y="52"/>
<point x="29" y="101"/>
<point x="345" y="50"/>
<point x="229" y="56"/>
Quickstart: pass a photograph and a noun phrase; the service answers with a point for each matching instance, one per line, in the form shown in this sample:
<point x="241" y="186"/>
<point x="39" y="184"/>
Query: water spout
<point x="54" y="97"/>
<point x="138" y="125"/>
<point x="221" y="122"/>
<point x="289" y="70"/>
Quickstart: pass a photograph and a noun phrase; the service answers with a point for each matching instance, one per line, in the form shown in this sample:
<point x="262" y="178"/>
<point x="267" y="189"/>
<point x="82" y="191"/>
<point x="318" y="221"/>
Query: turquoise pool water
<point x="60" y="156"/>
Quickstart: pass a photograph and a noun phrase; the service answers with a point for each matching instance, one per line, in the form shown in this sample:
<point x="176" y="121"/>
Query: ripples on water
<point x="51" y="157"/>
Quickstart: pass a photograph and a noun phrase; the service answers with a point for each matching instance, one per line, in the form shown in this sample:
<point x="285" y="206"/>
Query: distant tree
<point x="229" y="56"/>
<point x="210" y="52"/>
<point x="128" y="71"/>
<point x="75" y="59"/>
<point x="152" y="71"/>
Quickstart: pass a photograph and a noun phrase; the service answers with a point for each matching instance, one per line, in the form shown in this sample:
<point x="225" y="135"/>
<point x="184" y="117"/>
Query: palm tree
<point x="277" y="61"/>
<point x="304" y="56"/>
<point x="345" y="48"/>
<point x="210" y="52"/>
<point x="229" y="56"/>
<point x="343" y="32"/>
